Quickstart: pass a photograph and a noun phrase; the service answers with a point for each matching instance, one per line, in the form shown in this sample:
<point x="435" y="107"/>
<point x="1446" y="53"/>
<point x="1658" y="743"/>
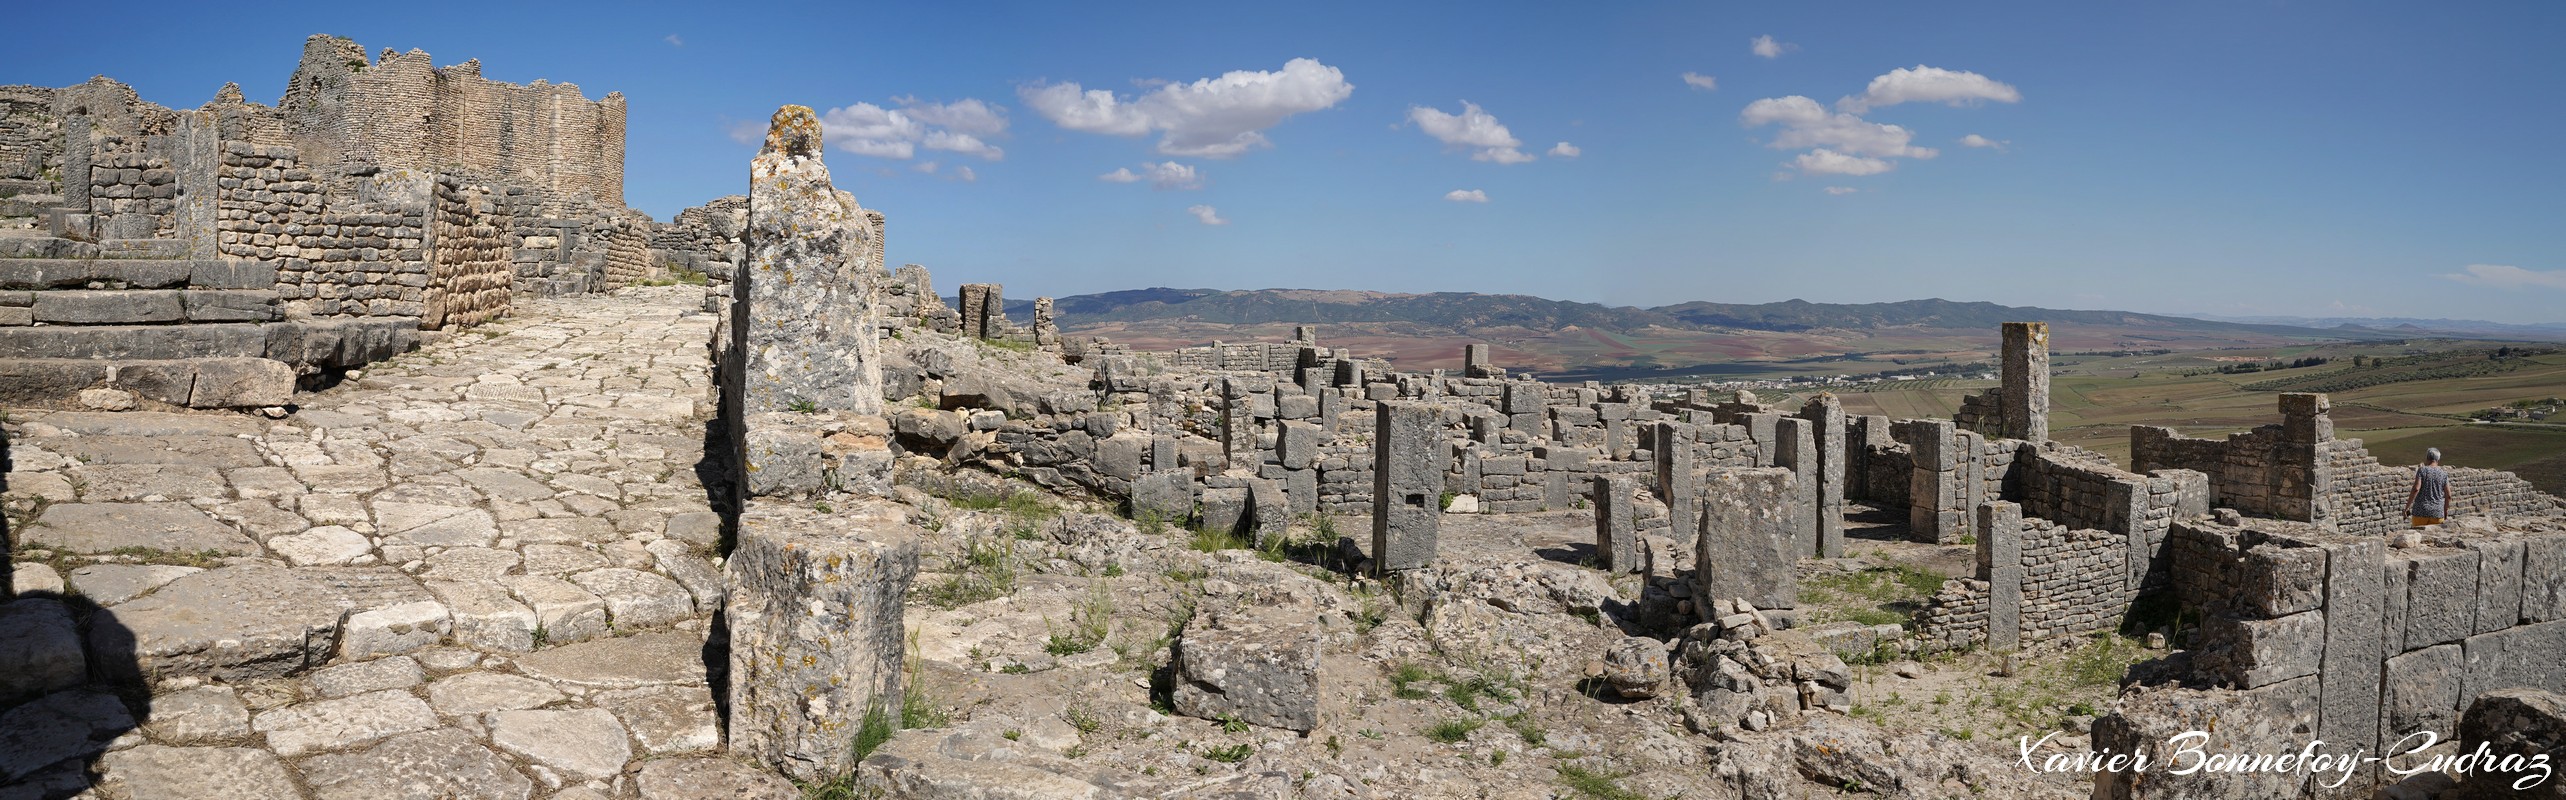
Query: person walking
<point x="2430" y="500"/>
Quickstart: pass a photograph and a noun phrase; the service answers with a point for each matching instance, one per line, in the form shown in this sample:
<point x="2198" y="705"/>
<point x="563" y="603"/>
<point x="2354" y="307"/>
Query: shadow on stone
<point x="70" y="684"/>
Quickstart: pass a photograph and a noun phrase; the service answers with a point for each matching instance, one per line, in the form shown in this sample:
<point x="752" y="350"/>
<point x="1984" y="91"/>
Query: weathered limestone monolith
<point x="1746" y="546"/>
<point x="2025" y="400"/>
<point x="1827" y="423"/>
<point x="803" y="314"/>
<point x="1795" y="449"/>
<point x="1408" y="462"/>
<point x="2000" y="564"/>
<point x="1617" y="542"/>
<point x="816" y="631"/>
<point x="1474" y="361"/>
<point x="1677" y="482"/>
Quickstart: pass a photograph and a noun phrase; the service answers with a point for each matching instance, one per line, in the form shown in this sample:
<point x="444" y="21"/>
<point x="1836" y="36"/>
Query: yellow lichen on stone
<point x="795" y="131"/>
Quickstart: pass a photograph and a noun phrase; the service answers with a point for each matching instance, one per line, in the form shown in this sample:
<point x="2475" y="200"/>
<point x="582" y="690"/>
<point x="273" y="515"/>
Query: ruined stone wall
<point x="468" y="281"/>
<point x="134" y="193"/>
<point x="30" y="133"/>
<point x="628" y="260"/>
<point x="2368" y="640"/>
<point x="398" y="110"/>
<point x="2072" y="580"/>
<point x="2370" y="497"/>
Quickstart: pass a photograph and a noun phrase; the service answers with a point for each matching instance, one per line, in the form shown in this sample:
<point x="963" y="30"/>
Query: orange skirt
<point x="2423" y="521"/>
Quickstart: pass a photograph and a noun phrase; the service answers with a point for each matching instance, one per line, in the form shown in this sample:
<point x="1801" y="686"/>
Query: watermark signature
<point x="2191" y="753"/>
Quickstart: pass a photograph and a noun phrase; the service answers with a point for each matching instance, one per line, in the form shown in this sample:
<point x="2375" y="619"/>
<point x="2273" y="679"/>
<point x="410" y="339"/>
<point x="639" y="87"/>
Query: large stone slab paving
<point x="397" y="672"/>
<point x="155" y="772"/>
<point x="200" y="715"/>
<point x="710" y="779"/>
<point x="89" y="528"/>
<point x="394" y="629"/>
<point x="434" y="765"/>
<point x="39" y="648"/>
<point x="63" y="725"/>
<point x="563" y="611"/>
<point x="343" y="722"/>
<point x="623" y="662"/>
<point x="235" y="623"/>
<point x="485" y="616"/>
<point x="131" y="483"/>
<point x="472" y="694"/>
<point x="637" y="599"/>
<point x="666" y="719"/>
<point x="194" y="450"/>
<point x="584" y="743"/>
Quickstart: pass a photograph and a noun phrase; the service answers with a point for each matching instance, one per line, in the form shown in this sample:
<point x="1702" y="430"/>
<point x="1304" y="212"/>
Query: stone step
<point x="308" y="344"/>
<point x="193" y="383"/>
<point x="26" y="205"/>
<point x="132" y="273"/>
<point x="140" y="306"/>
<point x="45" y="247"/>
<point x="24" y="186"/>
<point x="142" y="248"/>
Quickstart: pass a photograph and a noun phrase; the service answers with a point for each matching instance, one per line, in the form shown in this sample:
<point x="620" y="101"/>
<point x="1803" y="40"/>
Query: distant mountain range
<point x="2550" y="331"/>
<point x="1466" y="312"/>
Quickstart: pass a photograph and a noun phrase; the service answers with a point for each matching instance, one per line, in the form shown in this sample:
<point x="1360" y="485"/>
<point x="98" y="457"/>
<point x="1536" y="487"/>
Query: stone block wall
<point x="2370" y="497"/>
<point x="469" y="277"/>
<point x="30" y="133"/>
<point x="2396" y="639"/>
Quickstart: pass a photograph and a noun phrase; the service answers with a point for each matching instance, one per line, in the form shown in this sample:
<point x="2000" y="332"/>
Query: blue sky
<point x="2214" y="157"/>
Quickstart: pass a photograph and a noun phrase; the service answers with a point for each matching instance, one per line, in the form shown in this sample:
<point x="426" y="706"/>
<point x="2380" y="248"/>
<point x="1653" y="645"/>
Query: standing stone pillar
<point x="1933" y="514"/>
<point x="2356" y="602"/>
<point x="2000" y="564"/>
<point x="1745" y="548"/>
<point x="803" y="316"/>
<point x="1677" y="482"/>
<point x="816" y="632"/>
<point x="79" y="147"/>
<point x="1795" y="449"/>
<point x="1046" y="329"/>
<point x="1408" y="462"/>
<point x="873" y="220"/>
<point x="975" y="299"/>
<point x="2302" y="472"/>
<point x="1474" y="361"/>
<point x="1826" y="422"/>
<point x="196" y="159"/>
<point x="1617" y="543"/>
<point x="1525" y="408"/>
<point x="2025" y="400"/>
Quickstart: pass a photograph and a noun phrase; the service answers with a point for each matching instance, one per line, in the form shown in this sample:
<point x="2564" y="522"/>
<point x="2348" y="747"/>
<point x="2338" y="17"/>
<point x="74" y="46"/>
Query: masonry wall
<point x="469" y="275"/>
<point x="2370" y="497"/>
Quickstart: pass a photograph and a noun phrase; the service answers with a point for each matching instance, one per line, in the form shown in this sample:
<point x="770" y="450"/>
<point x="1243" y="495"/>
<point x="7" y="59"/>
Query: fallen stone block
<point x="1257" y="664"/>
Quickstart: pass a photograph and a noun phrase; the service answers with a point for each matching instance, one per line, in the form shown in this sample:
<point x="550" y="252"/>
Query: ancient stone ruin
<point x="813" y="529"/>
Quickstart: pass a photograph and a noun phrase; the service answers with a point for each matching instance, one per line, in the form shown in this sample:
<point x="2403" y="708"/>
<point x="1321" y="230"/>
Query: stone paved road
<point x="482" y="570"/>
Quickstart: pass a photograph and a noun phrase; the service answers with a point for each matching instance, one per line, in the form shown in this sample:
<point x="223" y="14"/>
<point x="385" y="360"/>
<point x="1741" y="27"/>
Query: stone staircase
<point x="140" y="317"/>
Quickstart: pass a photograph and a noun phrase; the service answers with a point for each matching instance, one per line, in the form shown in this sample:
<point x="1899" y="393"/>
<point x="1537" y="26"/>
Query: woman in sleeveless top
<point x="2430" y="500"/>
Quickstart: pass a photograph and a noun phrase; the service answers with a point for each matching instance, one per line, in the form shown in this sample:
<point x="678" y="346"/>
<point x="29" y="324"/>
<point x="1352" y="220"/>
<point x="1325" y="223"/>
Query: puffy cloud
<point x="1700" y="81"/>
<point x="673" y="40"/>
<point x="1165" y="175"/>
<point x="1466" y="196"/>
<point x="965" y="175"/>
<point x="1804" y="123"/>
<point x="1975" y="140"/>
<point x="2500" y="276"/>
<point x="1566" y="150"/>
<point x="1823" y="161"/>
<point x="866" y="129"/>
<point x="1209" y="118"/>
<point x="1472" y="128"/>
<point x="1925" y="84"/>
<point x="1765" y="46"/>
<point x="1841" y="191"/>
<point x="1207" y="215"/>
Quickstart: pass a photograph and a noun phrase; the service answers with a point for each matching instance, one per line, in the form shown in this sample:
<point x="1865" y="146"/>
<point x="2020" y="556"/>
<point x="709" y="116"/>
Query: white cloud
<point x="1841" y="191"/>
<point x="1975" y="140"/>
<point x="2502" y="276"/>
<point x="1209" y="118"/>
<point x="866" y="129"/>
<point x="965" y="175"/>
<point x="1700" y="81"/>
<point x="1765" y="46"/>
<point x="1207" y="214"/>
<point x="1466" y="196"/>
<point x="1472" y="128"/>
<point x="1807" y="124"/>
<point x="1566" y="150"/>
<point x="673" y="41"/>
<point x="928" y="167"/>
<point x="1925" y="84"/>
<point x="1166" y="175"/>
<point x="1823" y="161"/>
